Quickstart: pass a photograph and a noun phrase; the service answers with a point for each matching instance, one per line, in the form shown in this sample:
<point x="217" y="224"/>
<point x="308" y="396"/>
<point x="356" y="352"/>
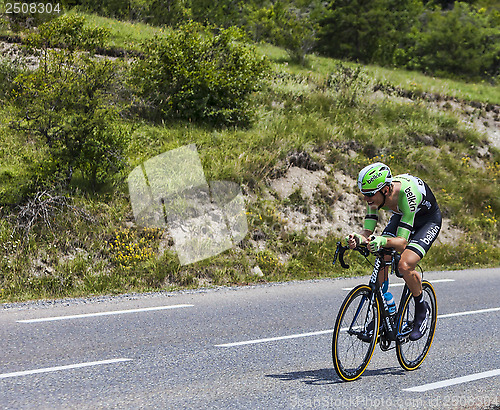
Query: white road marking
<point x="452" y="382"/>
<point x="58" y="368"/>
<point x="322" y="332"/>
<point x="115" y="312"/>
<point x="391" y="285"/>
<point x="272" y="339"/>
<point x="470" y="312"/>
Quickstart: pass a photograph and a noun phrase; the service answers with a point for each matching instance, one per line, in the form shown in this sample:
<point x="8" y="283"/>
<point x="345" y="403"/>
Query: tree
<point x="222" y="13"/>
<point x="462" y="41"/>
<point x="291" y="28"/>
<point x="66" y="104"/>
<point x="367" y="30"/>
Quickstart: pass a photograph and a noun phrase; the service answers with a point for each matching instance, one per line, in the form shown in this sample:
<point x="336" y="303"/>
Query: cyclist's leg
<point x="407" y="265"/>
<point x="425" y="234"/>
<point x="407" y="268"/>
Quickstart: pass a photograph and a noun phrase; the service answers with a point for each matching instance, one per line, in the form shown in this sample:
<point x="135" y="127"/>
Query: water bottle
<point x="385" y="286"/>
<point x="391" y="306"/>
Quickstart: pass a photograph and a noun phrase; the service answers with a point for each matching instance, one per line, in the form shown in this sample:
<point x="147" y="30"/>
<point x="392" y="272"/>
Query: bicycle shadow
<point x="321" y="377"/>
<point x="311" y="377"/>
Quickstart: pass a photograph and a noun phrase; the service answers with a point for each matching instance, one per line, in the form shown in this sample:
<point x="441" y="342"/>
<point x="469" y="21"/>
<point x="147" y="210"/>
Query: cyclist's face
<point x="374" y="201"/>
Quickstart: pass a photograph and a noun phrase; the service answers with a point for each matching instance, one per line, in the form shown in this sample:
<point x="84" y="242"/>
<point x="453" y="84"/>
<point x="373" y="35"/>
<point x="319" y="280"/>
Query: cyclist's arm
<point x="366" y="233"/>
<point x="397" y="243"/>
<point x="371" y="219"/>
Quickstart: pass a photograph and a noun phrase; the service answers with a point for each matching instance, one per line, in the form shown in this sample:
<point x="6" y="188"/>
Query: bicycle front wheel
<point x="355" y="333"/>
<point x="411" y="354"/>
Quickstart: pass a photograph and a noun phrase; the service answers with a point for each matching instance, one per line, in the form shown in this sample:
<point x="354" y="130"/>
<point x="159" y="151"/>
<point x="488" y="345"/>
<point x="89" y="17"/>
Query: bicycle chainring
<point x="385" y="343"/>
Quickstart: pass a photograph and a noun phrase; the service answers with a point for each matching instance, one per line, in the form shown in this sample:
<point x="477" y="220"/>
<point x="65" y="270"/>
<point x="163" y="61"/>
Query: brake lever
<point x="339" y="252"/>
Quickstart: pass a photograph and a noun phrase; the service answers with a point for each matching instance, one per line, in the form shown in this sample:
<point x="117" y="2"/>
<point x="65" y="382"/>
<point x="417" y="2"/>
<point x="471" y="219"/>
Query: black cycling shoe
<point x="420" y="323"/>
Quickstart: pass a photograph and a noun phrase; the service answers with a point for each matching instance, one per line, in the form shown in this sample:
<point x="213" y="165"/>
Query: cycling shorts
<point x="425" y="231"/>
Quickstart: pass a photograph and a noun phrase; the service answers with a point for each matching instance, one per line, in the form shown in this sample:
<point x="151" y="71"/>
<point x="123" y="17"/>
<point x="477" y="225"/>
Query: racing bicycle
<point x="364" y="320"/>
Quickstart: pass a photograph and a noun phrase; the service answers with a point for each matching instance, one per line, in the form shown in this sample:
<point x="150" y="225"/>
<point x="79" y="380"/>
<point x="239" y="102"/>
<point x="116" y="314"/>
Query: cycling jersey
<point x="418" y="218"/>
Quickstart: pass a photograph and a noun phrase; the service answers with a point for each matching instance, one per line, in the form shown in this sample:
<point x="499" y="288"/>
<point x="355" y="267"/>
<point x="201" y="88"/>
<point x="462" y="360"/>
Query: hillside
<point x="313" y="128"/>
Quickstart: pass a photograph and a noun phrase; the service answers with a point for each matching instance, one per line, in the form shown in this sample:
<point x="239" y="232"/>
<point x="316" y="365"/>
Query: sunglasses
<point x="369" y="194"/>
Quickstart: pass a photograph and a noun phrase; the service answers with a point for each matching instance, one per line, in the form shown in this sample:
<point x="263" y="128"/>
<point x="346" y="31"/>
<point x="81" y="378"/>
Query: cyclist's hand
<point x="376" y="242"/>
<point x="355" y="239"/>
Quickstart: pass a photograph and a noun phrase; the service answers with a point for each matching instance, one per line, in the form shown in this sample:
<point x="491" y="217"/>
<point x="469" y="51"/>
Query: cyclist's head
<point x="373" y="178"/>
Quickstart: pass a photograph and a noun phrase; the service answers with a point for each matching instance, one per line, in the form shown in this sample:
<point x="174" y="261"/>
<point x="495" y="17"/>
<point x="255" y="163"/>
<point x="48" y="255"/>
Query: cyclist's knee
<point x="405" y="267"/>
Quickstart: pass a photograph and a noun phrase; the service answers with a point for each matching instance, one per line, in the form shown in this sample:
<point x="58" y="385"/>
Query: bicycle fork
<point x="355" y="318"/>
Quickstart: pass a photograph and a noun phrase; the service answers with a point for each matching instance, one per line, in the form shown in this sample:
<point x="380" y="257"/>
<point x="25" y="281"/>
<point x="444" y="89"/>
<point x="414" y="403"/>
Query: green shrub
<point x="118" y="9"/>
<point x="64" y="105"/>
<point x="193" y="74"/>
<point x="35" y="13"/>
<point x="367" y="31"/>
<point x="460" y="41"/>
<point x="69" y="31"/>
<point x="349" y="83"/>
<point x="169" y="13"/>
<point x="8" y="72"/>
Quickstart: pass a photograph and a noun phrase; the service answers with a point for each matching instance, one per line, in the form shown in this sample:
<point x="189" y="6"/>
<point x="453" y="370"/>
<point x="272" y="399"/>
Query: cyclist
<point x="413" y="227"/>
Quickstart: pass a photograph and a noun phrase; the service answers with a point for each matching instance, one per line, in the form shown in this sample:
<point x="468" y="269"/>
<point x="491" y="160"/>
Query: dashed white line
<point x="58" y="368"/>
<point x="272" y="339"/>
<point x="321" y="332"/>
<point x="397" y="284"/>
<point x="457" y="380"/>
<point x="115" y="312"/>
<point x="470" y="312"/>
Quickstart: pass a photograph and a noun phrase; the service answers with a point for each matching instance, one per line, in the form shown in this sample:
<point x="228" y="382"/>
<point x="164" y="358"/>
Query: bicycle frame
<point x="390" y="324"/>
<point x="365" y="316"/>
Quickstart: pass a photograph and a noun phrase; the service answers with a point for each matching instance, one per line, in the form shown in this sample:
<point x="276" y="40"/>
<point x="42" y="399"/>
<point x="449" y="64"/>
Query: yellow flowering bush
<point x="488" y="218"/>
<point x="268" y="261"/>
<point x="128" y="246"/>
<point x="494" y="170"/>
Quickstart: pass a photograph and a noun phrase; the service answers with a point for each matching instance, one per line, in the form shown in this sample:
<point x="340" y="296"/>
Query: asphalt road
<point x="256" y="347"/>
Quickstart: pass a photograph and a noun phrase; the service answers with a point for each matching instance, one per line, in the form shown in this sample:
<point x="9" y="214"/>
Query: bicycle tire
<point x="411" y="354"/>
<point x="350" y="354"/>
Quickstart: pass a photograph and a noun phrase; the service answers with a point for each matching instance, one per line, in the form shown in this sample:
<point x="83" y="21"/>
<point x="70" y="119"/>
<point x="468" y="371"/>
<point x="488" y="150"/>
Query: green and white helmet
<point x="374" y="177"/>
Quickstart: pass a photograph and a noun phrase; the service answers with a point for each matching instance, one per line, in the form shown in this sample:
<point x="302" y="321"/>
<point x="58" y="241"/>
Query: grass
<point x="338" y="123"/>
<point x="320" y="67"/>
<point x="418" y="82"/>
<point x="123" y="34"/>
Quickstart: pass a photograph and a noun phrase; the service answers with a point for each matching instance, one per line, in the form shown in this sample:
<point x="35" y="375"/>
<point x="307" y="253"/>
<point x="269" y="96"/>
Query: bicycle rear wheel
<point x="411" y="354"/>
<point x="352" y="344"/>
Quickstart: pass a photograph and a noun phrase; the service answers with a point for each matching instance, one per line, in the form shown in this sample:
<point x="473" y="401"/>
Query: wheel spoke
<point x="350" y="353"/>
<point x="411" y="354"/>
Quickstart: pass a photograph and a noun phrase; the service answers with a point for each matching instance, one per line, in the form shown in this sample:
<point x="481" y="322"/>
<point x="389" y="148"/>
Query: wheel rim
<point x="351" y="354"/>
<point x="412" y="353"/>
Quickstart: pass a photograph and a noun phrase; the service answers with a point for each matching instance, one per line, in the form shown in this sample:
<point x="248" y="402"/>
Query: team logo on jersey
<point x="412" y="199"/>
